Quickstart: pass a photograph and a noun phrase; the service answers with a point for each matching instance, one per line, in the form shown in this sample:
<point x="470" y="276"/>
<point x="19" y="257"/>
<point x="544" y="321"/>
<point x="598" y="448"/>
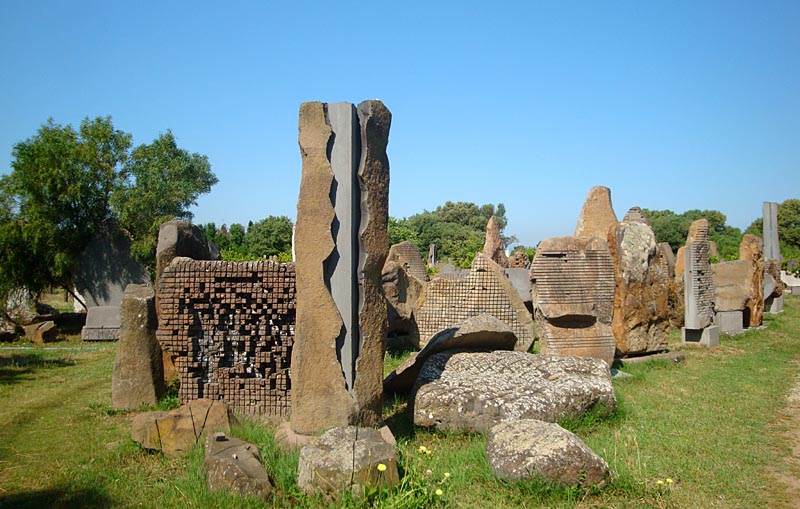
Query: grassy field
<point x="714" y="425"/>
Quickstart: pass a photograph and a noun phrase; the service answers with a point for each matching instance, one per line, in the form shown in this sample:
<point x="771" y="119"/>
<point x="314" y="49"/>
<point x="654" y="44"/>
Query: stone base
<point x="707" y="337"/>
<point x="729" y="322"/>
<point x="99" y="334"/>
<point x="773" y="305"/>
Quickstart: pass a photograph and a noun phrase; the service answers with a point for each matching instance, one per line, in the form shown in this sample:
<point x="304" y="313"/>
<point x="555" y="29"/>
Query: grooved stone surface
<point x="473" y="391"/>
<point x="698" y="281"/>
<point x="529" y="448"/>
<point x="573" y="296"/>
<point x="341" y="245"/>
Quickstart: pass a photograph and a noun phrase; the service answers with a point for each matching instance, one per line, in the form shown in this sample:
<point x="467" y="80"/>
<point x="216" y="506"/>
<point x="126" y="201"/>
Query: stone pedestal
<point x="729" y="322"/>
<point x="774" y="305"/>
<point x="708" y="336"/>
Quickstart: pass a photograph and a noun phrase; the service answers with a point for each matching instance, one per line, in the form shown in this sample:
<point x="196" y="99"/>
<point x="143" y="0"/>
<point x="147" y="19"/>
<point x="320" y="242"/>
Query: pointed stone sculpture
<point x="641" y="302"/>
<point x="698" y="288"/>
<point x="597" y="215"/>
<point x="573" y="293"/>
<point x="341" y="245"/>
<point x="493" y="245"/>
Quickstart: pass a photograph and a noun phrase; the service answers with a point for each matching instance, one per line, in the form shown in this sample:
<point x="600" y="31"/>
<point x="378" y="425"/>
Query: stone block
<point x="234" y="465"/>
<point x="138" y="377"/>
<point x="698" y="280"/>
<point x="102" y="324"/>
<point x="597" y="215"/>
<point x="708" y="336"/>
<point x="41" y="332"/>
<point x="774" y="305"/>
<point x="729" y="322"/>
<point x="493" y="247"/>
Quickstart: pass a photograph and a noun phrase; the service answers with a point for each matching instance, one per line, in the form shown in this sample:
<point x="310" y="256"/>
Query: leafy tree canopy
<point x="673" y="228"/>
<point x="788" y="228"/>
<point x="458" y="230"/>
<point x="66" y="184"/>
<point x="269" y="237"/>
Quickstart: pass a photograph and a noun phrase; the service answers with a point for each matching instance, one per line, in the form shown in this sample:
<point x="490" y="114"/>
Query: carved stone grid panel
<point x="449" y="302"/>
<point x="230" y="327"/>
<point x="699" y="294"/>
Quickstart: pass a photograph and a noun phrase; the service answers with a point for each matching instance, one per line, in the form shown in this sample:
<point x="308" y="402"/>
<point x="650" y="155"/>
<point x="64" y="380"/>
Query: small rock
<point x="346" y="459"/>
<point x="528" y="448"/>
<point x="42" y="332"/>
<point x="234" y="465"/>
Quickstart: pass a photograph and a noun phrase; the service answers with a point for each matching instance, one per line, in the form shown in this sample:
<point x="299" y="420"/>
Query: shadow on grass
<point x="17" y="366"/>
<point x="63" y="497"/>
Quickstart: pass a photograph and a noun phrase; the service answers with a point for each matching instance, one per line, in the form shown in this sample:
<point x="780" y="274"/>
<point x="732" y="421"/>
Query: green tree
<point x="788" y="228"/>
<point x="673" y="228"/>
<point x="271" y="236"/>
<point x="66" y="184"/>
<point x="161" y="181"/>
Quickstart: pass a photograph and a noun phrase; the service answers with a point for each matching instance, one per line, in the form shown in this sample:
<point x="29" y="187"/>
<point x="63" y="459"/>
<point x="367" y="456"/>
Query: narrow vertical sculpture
<point x="341" y="246"/>
<point x="698" y="288"/>
<point x="597" y="214"/>
<point x="773" y="288"/>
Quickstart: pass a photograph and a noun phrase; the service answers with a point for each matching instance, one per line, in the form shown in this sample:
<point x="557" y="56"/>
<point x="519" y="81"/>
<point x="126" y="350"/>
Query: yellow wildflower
<point x="439" y="492"/>
<point x="669" y="481"/>
<point x="660" y="482"/>
<point x="422" y="449"/>
<point x="381" y="467"/>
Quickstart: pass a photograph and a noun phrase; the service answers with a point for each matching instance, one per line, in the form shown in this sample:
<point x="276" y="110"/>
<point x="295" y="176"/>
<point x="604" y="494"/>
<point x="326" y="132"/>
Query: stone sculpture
<point x="138" y="377"/>
<point x="573" y="294"/>
<point x="641" y="302"/>
<point x="773" y="299"/>
<point x="230" y="328"/>
<point x="493" y="247"/>
<point x="341" y="246"/>
<point x="597" y="215"/>
<point x="698" y="288"/>
<point x="485" y="289"/>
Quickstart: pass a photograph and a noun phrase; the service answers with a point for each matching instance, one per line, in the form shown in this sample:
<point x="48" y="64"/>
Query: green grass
<point x="713" y="424"/>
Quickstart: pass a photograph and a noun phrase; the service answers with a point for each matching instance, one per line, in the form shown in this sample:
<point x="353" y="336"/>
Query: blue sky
<point x="673" y="105"/>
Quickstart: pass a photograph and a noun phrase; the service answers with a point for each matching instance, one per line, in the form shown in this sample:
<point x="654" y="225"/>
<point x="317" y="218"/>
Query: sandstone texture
<point x="698" y="280"/>
<point x="529" y="448"/>
<point x="752" y="250"/>
<point x="519" y="260"/>
<point x="485" y="289"/>
<point x="597" y="215"/>
<point x="493" y="247"/>
<point x="346" y="458"/>
<point x="175" y="432"/>
<point x="138" y="377"/>
<point x="641" y="300"/>
<point x="473" y="391"/>
<point x="234" y="465"/>
<point x="573" y="294"/>
<point x="732" y="282"/>
<point x="403" y="277"/>
<point x="481" y="332"/>
<point x="41" y="332"/>
<point x="341" y="309"/>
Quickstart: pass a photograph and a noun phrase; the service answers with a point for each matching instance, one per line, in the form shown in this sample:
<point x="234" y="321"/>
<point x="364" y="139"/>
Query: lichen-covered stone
<point x="482" y="332"/>
<point x="473" y="391"/>
<point x="529" y="449"/>
<point x="597" y="214"/>
<point x="346" y="458"/>
<point x="641" y="299"/>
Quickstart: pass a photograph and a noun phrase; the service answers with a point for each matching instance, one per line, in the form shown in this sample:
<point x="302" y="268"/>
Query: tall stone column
<point x="698" y="288"/>
<point x="341" y="244"/>
<point x="773" y="288"/>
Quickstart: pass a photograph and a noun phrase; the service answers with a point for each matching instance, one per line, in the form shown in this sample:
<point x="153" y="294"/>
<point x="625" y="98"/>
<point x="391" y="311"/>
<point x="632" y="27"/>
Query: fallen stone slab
<point x="473" y="391"/>
<point x="347" y="458"/>
<point x="175" y="432"/>
<point x="674" y="357"/>
<point x="528" y="448"/>
<point x="42" y="332"/>
<point x="481" y="332"/>
<point x="234" y="465"/>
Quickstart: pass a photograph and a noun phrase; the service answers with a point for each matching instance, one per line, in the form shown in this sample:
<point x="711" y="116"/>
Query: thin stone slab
<point x="473" y="391"/>
<point x="102" y="324"/>
<point x="752" y="249"/>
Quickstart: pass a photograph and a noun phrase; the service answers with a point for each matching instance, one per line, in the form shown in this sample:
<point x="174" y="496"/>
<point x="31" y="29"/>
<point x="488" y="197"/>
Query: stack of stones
<point x="230" y="328"/>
